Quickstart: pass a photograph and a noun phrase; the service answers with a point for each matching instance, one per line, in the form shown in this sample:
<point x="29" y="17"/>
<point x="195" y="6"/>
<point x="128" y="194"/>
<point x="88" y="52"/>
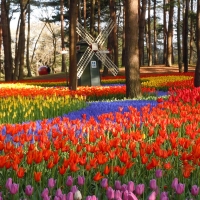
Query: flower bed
<point x="137" y="149"/>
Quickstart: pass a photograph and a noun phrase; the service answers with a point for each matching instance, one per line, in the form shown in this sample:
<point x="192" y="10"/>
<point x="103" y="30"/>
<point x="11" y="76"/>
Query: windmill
<point x="95" y="48"/>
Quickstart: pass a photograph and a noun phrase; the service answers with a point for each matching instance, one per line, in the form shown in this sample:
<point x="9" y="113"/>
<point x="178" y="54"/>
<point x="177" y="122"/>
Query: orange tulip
<point x="122" y="170"/>
<point x="167" y="166"/>
<point x="62" y="170"/>
<point x="97" y="176"/>
<point x="106" y="170"/>
<point x="37" y="176"/>
<point x="50" y="164"/>
<point x="20" y="172"/>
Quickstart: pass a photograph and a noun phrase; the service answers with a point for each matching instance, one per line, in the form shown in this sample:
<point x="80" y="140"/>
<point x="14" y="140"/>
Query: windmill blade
<point x="84" y="34"/>
<point x="83" y="62"/>
<point x="103" y="35"/>
<point x="107" y="62"/>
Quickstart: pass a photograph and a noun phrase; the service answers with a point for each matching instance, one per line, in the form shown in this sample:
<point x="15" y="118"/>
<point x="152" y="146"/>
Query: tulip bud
<point x="110" y="193"/>
<point x="81" y="180"/>
<point x="14" y="188"/>
<point x="8" y="183"/>
<point x="104" y="183"/>
<point x="51" y="183"/>
<point x="118" y="185"/>
<point x="195" y="190"/>
<point x="158" y="173"/>
<point x="130" y="186"/>
<point x="69" y="181"/>
<point x="77" y="195"/>
<point x="139" y="189"/>
<point x="153" y="184"/>
<point x="29" y="190"/>
<point x="180" y="188"/>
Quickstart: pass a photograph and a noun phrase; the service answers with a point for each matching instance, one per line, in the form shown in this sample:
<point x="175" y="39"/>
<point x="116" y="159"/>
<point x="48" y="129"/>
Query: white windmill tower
<point x="94" y="47"/>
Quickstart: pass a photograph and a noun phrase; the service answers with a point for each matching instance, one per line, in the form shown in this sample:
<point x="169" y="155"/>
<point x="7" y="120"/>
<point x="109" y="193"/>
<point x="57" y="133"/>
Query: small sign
<point x="93" y="64"/>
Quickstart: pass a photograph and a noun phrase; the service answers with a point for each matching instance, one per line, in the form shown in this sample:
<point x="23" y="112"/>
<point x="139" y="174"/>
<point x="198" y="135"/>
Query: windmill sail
<point x="103" y="35"/>
<point x="107" y="62"/>
<point x="84" y="34"/>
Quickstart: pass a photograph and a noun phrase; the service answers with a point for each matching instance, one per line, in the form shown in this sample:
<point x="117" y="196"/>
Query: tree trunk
<point x="155" y="34"/>
<point x="191" y="36"/>
<point x="92" y="6"/>
<point x="141" y="32"/>
<point x="72" y="47"/>
<point x="63" y="69"/>
<point x="1" y="36"/>
<point x="6" y="41"/>
<point x="179" y="38"/>
<point x="132" y="70"/>
<point x="149" y="34"/>
<point x="99" y="15"/>
<point x="123" y="37"/>
<point x="170" y="34"/>
<point x="84" y="12"/>
<point x="164" y="34"/>
<point x="197" y="69"/>
<point x="28" y="42"/>
<point x="114" y="31"/>
<point x="185" y="37"/>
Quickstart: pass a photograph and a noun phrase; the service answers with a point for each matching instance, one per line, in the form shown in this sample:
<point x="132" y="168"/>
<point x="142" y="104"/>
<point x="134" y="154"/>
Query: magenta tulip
<point x="139" y="189"/>
<point x="195" y="190"/>
<point x="81" y="180"/>
<point x="69" y="181"/>
<point x="110" y="193"/>
<point x="152" y="184"/>
<point x="29" y="190"/>
<point x="14" y="188"/>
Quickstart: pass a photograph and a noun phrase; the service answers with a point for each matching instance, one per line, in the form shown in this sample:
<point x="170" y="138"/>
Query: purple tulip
<point x="131" y="196"/>
<point x="152" y="184"/>
<point x="29" y="190"/>
<point x="51" y="183"/>
<point x="158" y="173"/>
<point x="45" y="193"/>
<point x="8" y="183"/>
<point x="118" y="194"/>
<point x="91" y="198"/>
<point x="81" y="180"/>
<point x="174" y="183"/>
<point x="59" y="193"/>
<point x="118" y="185"/>
<point x="139" y="189"/>
<point x="70" y="196"/>
<point x="152" y="196"/>
<point x="14" y="188"/>
<point x="124" y="187"/>
<point x="110" y="193"/>
<point x="163" y="196"/>
<point x="56" y="198"/>
<point x="69" y="181"/>
<point x="104" y="183"/>
<point x="195" y="190"/>
<point x="74" y="189"/>
<point x="180" y="188"/>
<point x="130" y="186"/>
<point x="125" y="195"/>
